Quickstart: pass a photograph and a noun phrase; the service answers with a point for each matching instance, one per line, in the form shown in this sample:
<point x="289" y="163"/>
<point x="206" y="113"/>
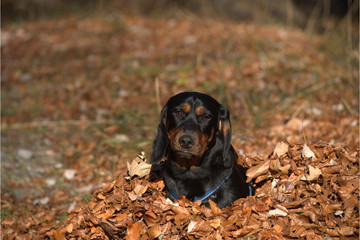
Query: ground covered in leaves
<point x="81" y="95"/>
<point x="300" y="193"/>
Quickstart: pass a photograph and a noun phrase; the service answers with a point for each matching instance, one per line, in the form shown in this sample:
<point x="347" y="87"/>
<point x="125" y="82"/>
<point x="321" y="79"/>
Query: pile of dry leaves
<point x="301" y="192"/>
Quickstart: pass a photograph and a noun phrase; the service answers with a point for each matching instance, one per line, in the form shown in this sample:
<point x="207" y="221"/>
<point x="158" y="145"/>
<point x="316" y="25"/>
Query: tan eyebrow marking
<point x="185" y="107"/>
<point x="200" y="111"/>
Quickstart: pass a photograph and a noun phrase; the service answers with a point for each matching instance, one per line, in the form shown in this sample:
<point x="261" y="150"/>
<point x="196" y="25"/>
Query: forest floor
<point x="81" y="96"/>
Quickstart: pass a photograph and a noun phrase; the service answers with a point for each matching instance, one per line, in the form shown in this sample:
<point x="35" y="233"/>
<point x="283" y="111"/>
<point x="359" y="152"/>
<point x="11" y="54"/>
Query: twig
<point x="347" y="106"/>
<point x="304" y="136"/>
<point x="299" y="109"/>
<point x="100" y="133"/>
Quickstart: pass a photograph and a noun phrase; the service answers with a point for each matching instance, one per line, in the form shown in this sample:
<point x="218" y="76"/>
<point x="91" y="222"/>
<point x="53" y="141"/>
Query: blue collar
<point x="207" y="194"/>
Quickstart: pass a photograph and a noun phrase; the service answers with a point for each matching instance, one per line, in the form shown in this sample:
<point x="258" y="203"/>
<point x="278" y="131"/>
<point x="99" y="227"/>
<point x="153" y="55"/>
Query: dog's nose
<point x="186" y="141"/>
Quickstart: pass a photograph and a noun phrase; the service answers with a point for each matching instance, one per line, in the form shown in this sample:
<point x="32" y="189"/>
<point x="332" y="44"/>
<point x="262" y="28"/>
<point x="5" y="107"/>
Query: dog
<point x="194" y="138"/>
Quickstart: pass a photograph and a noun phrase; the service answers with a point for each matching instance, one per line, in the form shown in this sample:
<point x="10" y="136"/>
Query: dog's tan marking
<point x="200" y="111"/>
<point x="186" y="107"/>
<point x="224" y="127"/>
<point x="164" y="121"/>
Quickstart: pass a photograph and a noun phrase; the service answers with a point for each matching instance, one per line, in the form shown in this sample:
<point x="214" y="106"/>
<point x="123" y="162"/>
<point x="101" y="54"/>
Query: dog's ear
<point x="161" y="140"/>
<point x="224" y="127"/>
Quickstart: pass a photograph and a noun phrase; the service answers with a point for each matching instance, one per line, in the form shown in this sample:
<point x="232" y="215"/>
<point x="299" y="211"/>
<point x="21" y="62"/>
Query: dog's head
<point x="192" y="125"/>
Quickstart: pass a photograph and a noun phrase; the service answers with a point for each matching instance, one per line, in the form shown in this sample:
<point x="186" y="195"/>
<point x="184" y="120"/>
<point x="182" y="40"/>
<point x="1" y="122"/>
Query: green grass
<point x="86" y="199"/>
<point x="61" y="218"/>
<point x="6" y="212"/>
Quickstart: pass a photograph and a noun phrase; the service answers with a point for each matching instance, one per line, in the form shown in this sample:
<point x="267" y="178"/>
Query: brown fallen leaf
<point x="270" y="235"/>
<point x="277" y="228"/>
<point x="109" y="229"/>
<point x="108" y="187"/>
<point x="333" y="232"/>
<point x="297" y="231"/>
<point x="199" y="228"/>
<point x="314" y="174"/>
<point x="281" y="148"/>
<point x="133" y="232"/>
<point x="132" y="196"/>
<point x="215" y="223"/>
<point x="243" y="231"/>
<point x="257" y="170"/>
<point x="277" y="212"/>
<point x="138" y="167"/>
<point x="289" y="206"/>
<point x="331" y="169"/>
<point x="306" y="152"/>
<point x="154" y="231"/>
<point x="214" y="208"/>
<point x="346" y="231"/>
<point x="7" y="221"/>
<point x="59" y="234"/>
<point x="140" y="190"/>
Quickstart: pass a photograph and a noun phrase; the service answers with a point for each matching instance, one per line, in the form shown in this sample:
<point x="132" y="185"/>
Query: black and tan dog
<point x="194" y="137"/>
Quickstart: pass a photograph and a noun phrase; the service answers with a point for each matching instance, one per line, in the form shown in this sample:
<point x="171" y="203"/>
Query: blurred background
<point x="83" y="83"/>
<point x="323" y="14"/>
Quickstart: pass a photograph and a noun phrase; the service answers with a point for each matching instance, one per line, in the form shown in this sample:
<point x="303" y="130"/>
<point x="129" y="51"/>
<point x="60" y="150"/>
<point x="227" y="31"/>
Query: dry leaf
<point x="346" y="231"/>
<point x="281" y="148"/>
<point x="243" y="231"/>
<point x="257" y="170"/>
<point x="285" y="169"/>
<point x="140" y="190"/>
<point x="59" y="234"/>
<point x="333" y="232"/>
<point x="132" y="196"/>
<point x="154" y="231"/>
<point x="268" y="234"/>
<point x="109" y="228"/>
<point x="277" y="212"/>
<point x="214" y="208"/>
<point x="274" y="183"/>
<point x="314" y="174"/>
<point x="307" y="153"/>
<point x="108" y="187"/>
<point x="199" y="228"/>
<point x="138" y="167"/>
<point x="297" y="231"/>
<point x="133" y="232"/>
<point x="215" y="223"/>
<point x="191" y="226"/>
<point x="277" y="228"/>
<point x="126" y="205"/>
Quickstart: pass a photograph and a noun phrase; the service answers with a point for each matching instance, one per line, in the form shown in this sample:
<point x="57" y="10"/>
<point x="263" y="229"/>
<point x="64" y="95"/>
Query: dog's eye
<point x="179" y="114"/>
<point x="204" y="118"/>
